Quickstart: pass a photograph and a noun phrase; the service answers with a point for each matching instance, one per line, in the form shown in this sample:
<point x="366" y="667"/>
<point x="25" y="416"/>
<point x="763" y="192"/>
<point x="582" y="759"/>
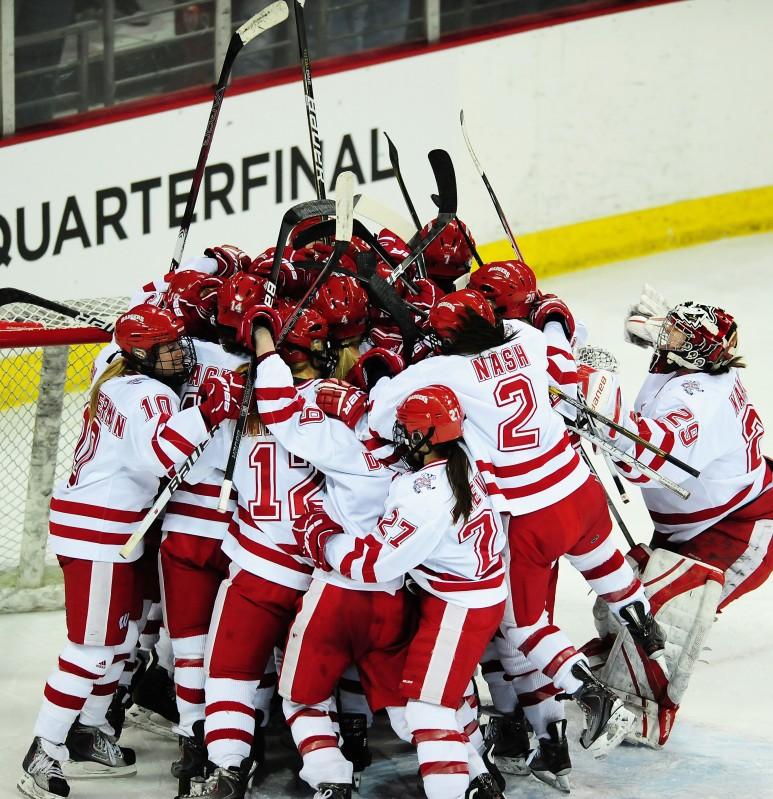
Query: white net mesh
<point x="42" y="393"/>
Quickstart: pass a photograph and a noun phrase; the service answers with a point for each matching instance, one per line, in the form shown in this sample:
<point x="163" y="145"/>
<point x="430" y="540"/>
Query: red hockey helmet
<point x="510" y="286"/>
<point x="393" y="245"/>
<point x="236" y="295"/>
<point x="431" y="415"/>
<point x="448" y="256"/>
<point x="448" y="316"/>
<point x="694" y="336"/>
<point x="192" y="297"/>
<point x="307" y="341"/>
<point x="153" y="341"/>
<point x="344" y="304"/>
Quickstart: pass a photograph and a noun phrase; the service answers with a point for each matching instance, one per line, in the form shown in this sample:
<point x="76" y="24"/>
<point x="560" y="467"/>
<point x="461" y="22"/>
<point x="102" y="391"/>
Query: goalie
<point x="709" y="549"/>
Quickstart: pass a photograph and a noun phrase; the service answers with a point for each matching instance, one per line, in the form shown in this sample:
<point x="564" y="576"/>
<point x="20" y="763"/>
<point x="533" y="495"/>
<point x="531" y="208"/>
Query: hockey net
<point x="45" y="371"/>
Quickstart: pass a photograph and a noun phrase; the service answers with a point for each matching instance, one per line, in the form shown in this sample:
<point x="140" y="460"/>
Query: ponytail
<point x="476" y="334"/>
<point x="117" y="368"/>
<point x="458" y="473"/>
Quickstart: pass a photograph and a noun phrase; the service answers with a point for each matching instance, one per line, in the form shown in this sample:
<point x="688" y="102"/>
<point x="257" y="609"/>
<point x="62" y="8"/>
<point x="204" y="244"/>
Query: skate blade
<point x="558" y="781"/>
<point x="356" y="780"/>
<point x="516" y="766"/>
<point x="88" y="770"/>
<point x="151" y="722"/>
<point x="620" y="724"/>
<point x="29" y="788"/>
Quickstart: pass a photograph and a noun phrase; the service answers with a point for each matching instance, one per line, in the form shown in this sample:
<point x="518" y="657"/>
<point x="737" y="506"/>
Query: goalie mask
<point x="694" y="336"/>
<point x="154" y="342"/>
<point x="425" y="418"/>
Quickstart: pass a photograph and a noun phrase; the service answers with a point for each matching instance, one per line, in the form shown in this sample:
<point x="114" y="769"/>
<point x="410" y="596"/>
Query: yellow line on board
<point x="624" y="236"/>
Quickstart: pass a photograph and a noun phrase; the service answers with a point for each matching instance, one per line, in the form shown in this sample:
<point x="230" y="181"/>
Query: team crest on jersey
<point x="691" y="386"/>
<point x="424" y="481"/>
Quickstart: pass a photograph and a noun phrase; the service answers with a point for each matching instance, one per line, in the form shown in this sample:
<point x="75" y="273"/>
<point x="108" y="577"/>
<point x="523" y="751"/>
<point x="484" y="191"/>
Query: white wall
<point x="571" y="122"/>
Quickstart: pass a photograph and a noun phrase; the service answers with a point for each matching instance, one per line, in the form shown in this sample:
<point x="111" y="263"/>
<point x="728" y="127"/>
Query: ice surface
<point x="722" y="745"/>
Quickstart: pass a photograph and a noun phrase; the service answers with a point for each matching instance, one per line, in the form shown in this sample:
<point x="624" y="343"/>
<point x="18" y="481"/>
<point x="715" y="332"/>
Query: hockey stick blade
<point x="445" y="179"/>
<point x="262" y="21"/>
<point x="10" y="295"/>
<point x="162" y="500"/>
<point x="497" y="207"/>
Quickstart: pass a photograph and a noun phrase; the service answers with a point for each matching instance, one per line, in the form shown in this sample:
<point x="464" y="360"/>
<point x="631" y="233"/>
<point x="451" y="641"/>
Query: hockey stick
<point x="394" y="160"/>
<point x="487" y="184"/>
<point x="262" y="21"/>
<point x="443" y="169"/>
<point x="291" y="218"/>
<point x="666" y="456"/>
<point x="618" y="454"/>
<point x="308" y="92"/>
<point x="465" y="235"/>
<point x="9" y="295"/>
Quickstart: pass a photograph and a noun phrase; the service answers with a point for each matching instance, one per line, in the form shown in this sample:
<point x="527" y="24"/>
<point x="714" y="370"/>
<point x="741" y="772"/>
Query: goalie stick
<point x="262" y="21"/>
<point x="445" y="178"/>
<point x="10" y="295"/>
<point x="343" y="211"/>
<point x="308" y="93"/>
<point x="487" y="184"/>
<point x="667" y="456"/>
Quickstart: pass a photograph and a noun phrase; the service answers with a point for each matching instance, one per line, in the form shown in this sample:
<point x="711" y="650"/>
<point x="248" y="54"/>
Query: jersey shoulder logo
<point x="424" y="481"/>
<point x="691" y="386"/>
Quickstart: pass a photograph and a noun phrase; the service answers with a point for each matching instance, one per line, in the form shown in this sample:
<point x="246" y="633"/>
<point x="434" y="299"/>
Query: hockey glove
<point x="643" y="320"/>
<point x="258" y="316"/>
<point x="230" y="259"/>
<point x="428" y="297"/>
<point x="373" y="365"/>
<point x="342" y="401"/>
<point x="549" y="308"/>
<point x="311" y="532"/>
<point x="221" y="398"/>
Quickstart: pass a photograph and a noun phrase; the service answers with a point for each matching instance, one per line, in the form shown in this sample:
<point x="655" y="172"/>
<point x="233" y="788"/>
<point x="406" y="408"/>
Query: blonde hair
<point x="117" y="368"/>
<point x="346" y="356"/>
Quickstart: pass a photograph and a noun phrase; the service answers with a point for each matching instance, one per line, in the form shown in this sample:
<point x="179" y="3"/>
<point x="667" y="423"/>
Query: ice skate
<point x="95" y="754"/>
<point x="550" y="762"/>
<point x="354" y="732"/>
<point x="333" y="790"/>
<point x="43" y="777"/>
<point x="192" y="761"/>
<point x="645" y="631"/>
<point x="484" y="786"/>
<point x="509" y="736"/>
<point x="155" y="704"/>
<point x="607" y="721"/>
<point x="223" y="783"/>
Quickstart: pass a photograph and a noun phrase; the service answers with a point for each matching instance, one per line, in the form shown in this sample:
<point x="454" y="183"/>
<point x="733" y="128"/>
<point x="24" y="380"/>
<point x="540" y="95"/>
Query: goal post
<point x="45" y="372"/>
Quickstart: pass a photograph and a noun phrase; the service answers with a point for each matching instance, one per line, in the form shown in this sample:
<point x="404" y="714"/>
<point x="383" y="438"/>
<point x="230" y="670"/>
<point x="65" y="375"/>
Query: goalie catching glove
<point x="342" y="401"/>
<point x="644" y="319"/>
<point x="221" y="398"/>
<point x="311" y="532"/>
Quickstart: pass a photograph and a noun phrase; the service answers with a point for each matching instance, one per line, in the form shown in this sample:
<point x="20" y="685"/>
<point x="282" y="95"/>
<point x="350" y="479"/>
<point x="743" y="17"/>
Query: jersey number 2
<point x="517" y="391"/>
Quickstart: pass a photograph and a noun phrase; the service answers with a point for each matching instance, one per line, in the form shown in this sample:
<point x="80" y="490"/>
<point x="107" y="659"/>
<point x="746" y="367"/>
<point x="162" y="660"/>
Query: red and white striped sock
<point x="317" y="743"/>
<point x="229" y="726"/>
<point x="441" y="747"/>
<point x="189" y="678"/>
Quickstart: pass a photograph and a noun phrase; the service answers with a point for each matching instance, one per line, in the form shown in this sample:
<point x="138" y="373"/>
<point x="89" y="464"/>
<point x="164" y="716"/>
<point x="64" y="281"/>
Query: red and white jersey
<point x="460" y="562"/>
<point x="356" y="482"/>
<point x="193" y="507"/>
<point x="518" y="443"/>
<point x="137" y="436"/>
<point x="708" y="422"/>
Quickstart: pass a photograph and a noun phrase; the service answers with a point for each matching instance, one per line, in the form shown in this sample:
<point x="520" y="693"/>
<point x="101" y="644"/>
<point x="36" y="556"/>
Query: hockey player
<point x="268" y="573"/>
<point x="532" y="472"/>
<point x="695" y="407"/>
<point x="133" y="434"/>
<point x="440" y="527"/>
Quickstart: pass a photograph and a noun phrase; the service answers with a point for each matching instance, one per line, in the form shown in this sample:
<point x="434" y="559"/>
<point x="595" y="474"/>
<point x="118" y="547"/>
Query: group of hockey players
<point x="397" y="514"/>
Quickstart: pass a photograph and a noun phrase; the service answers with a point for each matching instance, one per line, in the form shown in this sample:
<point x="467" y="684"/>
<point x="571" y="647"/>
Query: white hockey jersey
<point x="709" y="422"/>
<point x="460" y="562"/>
<point x="518" y="443"/>
<point x="193" y="507"/>
<point x="137" y="436"/>
<point x="356" y="482"/>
